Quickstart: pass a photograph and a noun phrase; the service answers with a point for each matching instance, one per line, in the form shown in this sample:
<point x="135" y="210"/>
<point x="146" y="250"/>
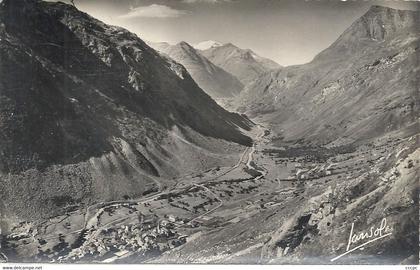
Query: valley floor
<point x="277" y="204"/>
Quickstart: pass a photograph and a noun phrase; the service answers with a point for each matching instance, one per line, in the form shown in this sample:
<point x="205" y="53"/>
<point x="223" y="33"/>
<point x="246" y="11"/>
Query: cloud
<point x="154" y="11"/>
<point x="205" y="1"/>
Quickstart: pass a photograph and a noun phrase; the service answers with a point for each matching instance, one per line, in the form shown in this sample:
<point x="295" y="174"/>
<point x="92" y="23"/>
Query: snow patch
<point x="205" y="45"/>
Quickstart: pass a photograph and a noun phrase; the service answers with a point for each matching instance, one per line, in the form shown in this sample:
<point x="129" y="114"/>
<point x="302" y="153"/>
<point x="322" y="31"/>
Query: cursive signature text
<point x="373" y="234"/>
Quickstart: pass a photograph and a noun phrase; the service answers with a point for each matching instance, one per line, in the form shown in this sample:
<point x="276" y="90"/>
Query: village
<point x="143" y="230"/>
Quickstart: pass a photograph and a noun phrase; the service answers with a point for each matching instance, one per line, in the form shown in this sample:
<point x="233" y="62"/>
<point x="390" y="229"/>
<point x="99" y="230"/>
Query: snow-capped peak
<point x="207" y="45"/>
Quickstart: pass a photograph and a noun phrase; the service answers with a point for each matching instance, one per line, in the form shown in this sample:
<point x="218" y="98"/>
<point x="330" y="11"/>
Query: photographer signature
<point x="373" y="234"/>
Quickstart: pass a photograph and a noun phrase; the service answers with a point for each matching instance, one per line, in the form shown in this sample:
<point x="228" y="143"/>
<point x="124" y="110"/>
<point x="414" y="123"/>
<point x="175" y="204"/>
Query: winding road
<point x="90" y="222"/>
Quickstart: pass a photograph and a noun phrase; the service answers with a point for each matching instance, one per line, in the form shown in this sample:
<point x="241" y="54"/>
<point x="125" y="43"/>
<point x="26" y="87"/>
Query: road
<point x="251" y="154"/>
<point x="90" y="222"/>
<point x="248" y="151"/>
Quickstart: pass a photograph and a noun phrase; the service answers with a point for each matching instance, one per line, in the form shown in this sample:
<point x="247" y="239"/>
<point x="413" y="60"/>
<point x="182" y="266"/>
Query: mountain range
<point x="215" y="81"/>
<point x="244" y="64"/>
<point x="115" y="150"/>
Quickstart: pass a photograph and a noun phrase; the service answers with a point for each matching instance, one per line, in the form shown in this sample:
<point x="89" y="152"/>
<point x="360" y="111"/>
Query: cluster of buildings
<point x="315" y="172"/>
<point x="150" y="234"/>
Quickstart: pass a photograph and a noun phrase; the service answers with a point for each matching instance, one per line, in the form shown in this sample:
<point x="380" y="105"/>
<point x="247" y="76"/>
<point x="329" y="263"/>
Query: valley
<point x="117" y="150"/>
<point x="234" y="214"/>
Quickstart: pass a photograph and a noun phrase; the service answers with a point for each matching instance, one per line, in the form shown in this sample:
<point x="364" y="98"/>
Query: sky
<point x="289" y="32"/>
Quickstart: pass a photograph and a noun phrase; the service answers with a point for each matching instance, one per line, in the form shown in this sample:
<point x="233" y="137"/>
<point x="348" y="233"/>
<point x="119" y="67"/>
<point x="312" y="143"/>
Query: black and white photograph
<point x="209" y="132"/>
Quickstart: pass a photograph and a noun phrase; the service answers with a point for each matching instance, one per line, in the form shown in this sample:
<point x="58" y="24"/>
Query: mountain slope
<point x="365" y="84"/>
<point x="245" y="65"/>
<point x="216" y="82"/>
<point x="89" y="113"/>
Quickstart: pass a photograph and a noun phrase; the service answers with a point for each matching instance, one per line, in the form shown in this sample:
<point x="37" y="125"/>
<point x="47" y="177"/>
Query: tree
<point x="72" y="2"/>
